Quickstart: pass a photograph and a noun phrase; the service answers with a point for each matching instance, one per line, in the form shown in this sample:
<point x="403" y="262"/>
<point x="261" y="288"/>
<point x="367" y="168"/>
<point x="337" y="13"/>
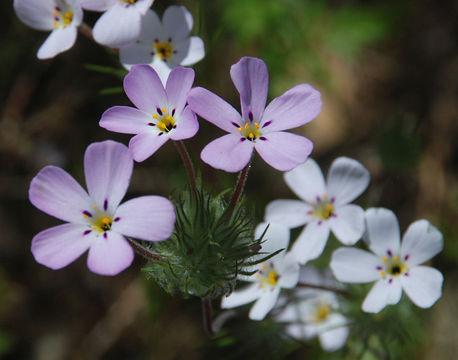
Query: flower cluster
<point x="201" y="244"/>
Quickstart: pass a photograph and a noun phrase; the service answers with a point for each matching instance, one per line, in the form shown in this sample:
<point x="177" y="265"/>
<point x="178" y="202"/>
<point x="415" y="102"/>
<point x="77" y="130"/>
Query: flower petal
<point x="108" y="167"/>
<point x="178" y="85"/>
<point x="151" y="28"/>
<point x="187" y="126"/>
<point x="311" y="242"/>
<point x="354" y="265"/>
<point x="213" y="109"/>
<point x="135" y="53"/>
<point x="423" y="285"/>
<point x="150" y="218"/>
<point x="57" y="193"/>
<point x="58" y="41"/>
<point x="348" y="224"/>
<point x="144" y="145"/>
<point x="334" y="339"/>
<point x="227" y="153"/>
<point x="347" y="179"/>
<point x="125" y="120"/>
<point x="190" y="51"/>
<point x="264" y="304"/>
<point x="276" y="237"/>
<point x="294" y="108"/>
<point x="421" y="242"/>
<point x="110" y="255"/>
<point x="284" y="151"/>
<point x="144" y="88"/>
<point x="251" y="79"/>
<point x="59" y="246"/>
<point x="177" y="22"/>
<point x="289" y="271"/>
<point x="382" y="230"/>
<point x="241" y="297"/>
<point x="291" y="213"/>
<point x="306" y="181"/>
<point x="36" y="14"/>
<point x="143" y="6"/>
<point x="117" y="27"/>
<point x="381" y="294"/>
<point x="97" y="5"/>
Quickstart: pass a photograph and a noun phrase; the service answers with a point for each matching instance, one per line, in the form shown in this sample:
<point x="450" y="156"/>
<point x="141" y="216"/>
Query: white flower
<point x="280" y="271"/>
<point x="62" y="17"/>
<point x="164" y="45"/>
<point x="316" y="313"/>
<point x="121" y="22"/>
<point x="394" y="266"/>
<point x="324" y="206"/>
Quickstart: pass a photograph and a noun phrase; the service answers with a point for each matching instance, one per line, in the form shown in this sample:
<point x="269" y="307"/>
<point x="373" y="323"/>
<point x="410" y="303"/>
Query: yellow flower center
<point x="164" y="121"/>
<point x="393" y="266"/>
<point x="62" y="18"/>
<point x="322" y="312"/>
<point x="163" y="50"/>
<point x="129" y="2"/>
<point x="267" y="275"/>
<point x="323" y="208"/>
<point x="250" y="131"/>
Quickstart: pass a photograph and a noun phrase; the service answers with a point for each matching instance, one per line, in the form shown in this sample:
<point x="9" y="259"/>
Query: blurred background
<point x="388" y="74"/>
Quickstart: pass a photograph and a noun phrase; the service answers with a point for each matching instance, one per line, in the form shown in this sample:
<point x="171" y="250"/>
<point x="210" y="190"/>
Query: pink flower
<point x="259" y="127"/>
<point x="160" y="113"/>
<point x="96" y="220"/>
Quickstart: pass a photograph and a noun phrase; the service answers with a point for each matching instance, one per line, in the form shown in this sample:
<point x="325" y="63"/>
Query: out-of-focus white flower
<point x="394" y="266"/>
<point x="121" y="22"/>
<point x="62" y="17"/>
<point x="164" y="45"/>
<point x="316" y="313"/>
<point x="325" y="206"/>
<point x="280" y="271"/>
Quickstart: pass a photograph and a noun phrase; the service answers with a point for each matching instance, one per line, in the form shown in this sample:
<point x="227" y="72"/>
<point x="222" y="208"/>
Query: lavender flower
<point x="258" y="127"/>
<point x="96" y="220"/>
<point x="160" y="114"/>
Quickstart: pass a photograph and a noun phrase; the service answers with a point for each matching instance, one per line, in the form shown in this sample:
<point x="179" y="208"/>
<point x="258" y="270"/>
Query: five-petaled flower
<point x="61" y="16"/>
<point x="324" y="206"/>
<point x="121" y="22"/>
<point x="96" y="220"/>
<point x="164" y="45"/>
<point x="259" y="127"/>
<point x="315" y="313"/>
<point x="280" y="271"/>
<point x="394" y="266"/>
<point x="160" y="114"/>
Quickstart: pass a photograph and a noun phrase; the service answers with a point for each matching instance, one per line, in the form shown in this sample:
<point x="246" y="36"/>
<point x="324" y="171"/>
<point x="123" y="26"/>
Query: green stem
<point x="320" y="287"/>
<point x="238" y="190"/>
<point x="207" y="317"/>
<point x="187" y="163"/>
<point x="144" y="252"/>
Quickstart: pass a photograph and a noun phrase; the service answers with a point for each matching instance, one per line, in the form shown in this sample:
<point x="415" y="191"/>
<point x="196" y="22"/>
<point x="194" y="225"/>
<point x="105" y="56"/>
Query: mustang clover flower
<point x="121" y="22"/>
<point x="259" y="127"/>
<point x="160" y="114"/>
<point x="324" y="206"/>
<point x="394" y="266"/>
<point x="164" y="45"/>
<point x="316" y="313"/>
<point x="280" y="271"/>
<point x="96" y="221"/>
<point x="61" y="16"/>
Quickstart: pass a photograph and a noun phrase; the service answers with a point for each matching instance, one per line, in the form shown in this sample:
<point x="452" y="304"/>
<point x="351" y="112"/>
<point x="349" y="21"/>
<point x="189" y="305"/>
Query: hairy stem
<point x="187" y="163"/>
<point x="144" y="252"/>
<point x="207" y="316"/>
<point x="237" y="191"/>
<point x="320" y="287"/>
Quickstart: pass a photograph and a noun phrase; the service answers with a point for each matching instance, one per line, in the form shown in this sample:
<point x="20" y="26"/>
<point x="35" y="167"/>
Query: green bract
<point x="208" y="248"/>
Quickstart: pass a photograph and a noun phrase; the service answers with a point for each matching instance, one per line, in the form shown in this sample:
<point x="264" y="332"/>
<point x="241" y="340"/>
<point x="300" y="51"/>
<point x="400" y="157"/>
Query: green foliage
<point x="207" y="249"/>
